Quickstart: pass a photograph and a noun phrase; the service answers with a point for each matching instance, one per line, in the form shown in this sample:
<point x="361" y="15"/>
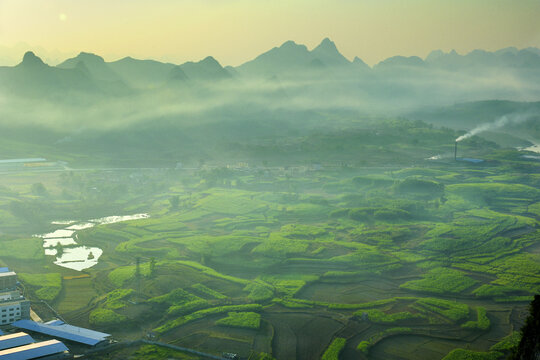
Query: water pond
<point x="62" y="243"/>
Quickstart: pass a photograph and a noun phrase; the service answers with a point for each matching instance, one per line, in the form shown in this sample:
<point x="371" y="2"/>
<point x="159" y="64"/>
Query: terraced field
<point x="407" y="262"/>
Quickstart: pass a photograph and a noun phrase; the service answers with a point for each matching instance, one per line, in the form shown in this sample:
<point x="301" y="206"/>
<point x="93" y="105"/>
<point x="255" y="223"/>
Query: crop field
<point x="431" y="258"/>
<point x="76" y="294"/>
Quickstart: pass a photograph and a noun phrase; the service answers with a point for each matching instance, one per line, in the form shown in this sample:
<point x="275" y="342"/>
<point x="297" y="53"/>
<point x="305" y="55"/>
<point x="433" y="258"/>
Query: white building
<point x="13" y="306"/>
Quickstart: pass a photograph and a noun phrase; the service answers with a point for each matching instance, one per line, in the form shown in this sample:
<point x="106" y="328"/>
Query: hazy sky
<point x="235" y="31"/>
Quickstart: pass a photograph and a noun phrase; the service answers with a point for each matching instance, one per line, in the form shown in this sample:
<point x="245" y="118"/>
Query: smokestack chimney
<point x="455" y="151"/>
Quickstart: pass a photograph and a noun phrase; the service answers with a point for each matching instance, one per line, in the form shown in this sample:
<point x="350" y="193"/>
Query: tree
<point x="529" y="346"/>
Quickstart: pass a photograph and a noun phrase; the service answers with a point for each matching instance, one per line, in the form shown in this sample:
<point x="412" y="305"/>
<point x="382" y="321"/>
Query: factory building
<point x="14" y="340"/>
<point x="61" y="330"/>
<point x="13" y="306"/>
<point x="21" y="346"/>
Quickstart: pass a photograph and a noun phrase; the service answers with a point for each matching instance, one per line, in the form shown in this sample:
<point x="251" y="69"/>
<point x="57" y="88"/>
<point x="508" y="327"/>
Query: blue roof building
<point x="14" y="340"/>
<point x="4" y="269"/>
<point x="59" y="329"/>
<point x="34" y="351"/>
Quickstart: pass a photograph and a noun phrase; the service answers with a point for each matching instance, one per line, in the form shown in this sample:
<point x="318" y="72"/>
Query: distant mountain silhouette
<point x="291" y="57"/>
<point x="400" y="61"/>
<point x="31" y="61"/>
<point x="208" y="69"/>
<point x="360" y="64"/>
<point x="317" y="76"/>
<point x="328" y="54"/>
<point x="99" y="70"/>
<point x="503" y="58"/>
<point x="176" y="74"/>
<point x="277" y="60"/>
<point x="142" y="74"/>
<point x="32" y="77"/>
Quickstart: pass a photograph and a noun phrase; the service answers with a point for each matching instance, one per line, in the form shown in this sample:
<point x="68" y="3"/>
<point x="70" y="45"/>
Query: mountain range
<point x="90" y="74"/>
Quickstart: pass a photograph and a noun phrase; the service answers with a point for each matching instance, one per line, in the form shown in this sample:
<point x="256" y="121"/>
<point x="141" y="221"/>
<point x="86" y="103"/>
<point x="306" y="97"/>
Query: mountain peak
<point x="92" y="61"/>
<point x="288" y="43"/>
<point x="85" y="56"/>
<point x="359" y="63"/>
<point x="207" y="69"/>
<point x="30" y="59"/>
<point x="328" y="53"/>
<point x="327" y="44"/>
<point x="327" y="40"/>
<point x="210" y="60"/>
<point x="127" y="58"/>
<point x="292" y="46"/>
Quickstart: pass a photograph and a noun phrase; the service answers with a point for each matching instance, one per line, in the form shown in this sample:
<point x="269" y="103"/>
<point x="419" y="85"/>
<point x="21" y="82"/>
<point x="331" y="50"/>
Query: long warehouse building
<point x="59" y="329"/>
<point x="14" y="340"/>
<point x="21" y="346"/>
<point x="45" y="350"/>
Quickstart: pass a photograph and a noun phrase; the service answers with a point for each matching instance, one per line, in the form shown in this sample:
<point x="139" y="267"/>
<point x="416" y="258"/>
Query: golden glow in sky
<point x="234" y="31"/>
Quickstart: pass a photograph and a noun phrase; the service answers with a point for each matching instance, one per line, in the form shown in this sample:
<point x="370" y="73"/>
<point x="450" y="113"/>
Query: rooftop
<point x="33" y="351"/>
<point x="10" y="296"/>
<point x="14" y="340"/>
<point x="64" y="331"/>
<point x="11" y="302"/>
<point x="8" y="273"/>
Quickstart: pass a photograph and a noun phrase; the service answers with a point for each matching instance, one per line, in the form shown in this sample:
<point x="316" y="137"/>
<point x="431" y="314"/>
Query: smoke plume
<point x="503" y="121"/>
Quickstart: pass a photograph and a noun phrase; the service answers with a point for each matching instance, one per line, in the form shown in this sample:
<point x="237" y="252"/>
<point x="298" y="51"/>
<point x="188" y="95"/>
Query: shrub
<point x="249" y="320"/>
<point x="365" y="345"/>
<point x="187" y="307"/>
<point x="206" y="312"/>
<point x="507" y="343"/>
<point x="259" y="291"/>
<point x="125" y="273"/>
<point x="462" y="354"/>
<point x="210" y="292"/>
<point x="378" y="316"/>
<point x="482" y="321"/>
<point x="488" y="290"/>
<point x="335" y="348"/>
<point x="106" y="317"/>
<point x="48" y="293"/>
<point x="115" y="299"/>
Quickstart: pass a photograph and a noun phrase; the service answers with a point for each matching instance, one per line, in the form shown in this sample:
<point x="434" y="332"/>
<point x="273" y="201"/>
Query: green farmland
<point x="346" y="260"/>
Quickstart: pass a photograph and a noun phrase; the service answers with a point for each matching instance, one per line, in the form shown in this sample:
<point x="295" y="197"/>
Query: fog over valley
<point x="299" y="205"/>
